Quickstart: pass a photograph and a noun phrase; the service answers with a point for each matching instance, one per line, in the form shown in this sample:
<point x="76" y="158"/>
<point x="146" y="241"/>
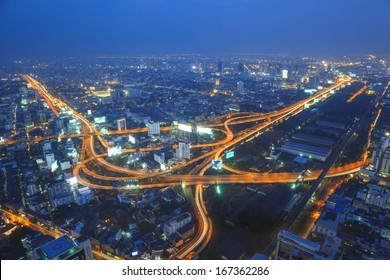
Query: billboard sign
<point x="184" y="127"/>
<point x="229" y="154"/>
<point x="205" y="130"/>
<point x="100" y="119"/>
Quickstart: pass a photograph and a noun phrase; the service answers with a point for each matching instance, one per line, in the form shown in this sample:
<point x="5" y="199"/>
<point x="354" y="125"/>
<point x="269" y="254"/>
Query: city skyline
<point x="52" y="30"/>
<point x="194" y="129"/>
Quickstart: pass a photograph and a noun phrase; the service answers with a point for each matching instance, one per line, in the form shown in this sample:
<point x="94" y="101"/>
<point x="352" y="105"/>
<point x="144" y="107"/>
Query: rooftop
<point x="57" y="247"/>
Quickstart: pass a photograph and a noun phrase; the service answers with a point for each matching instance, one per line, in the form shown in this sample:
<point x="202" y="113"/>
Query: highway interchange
<point x="91" y="138"/>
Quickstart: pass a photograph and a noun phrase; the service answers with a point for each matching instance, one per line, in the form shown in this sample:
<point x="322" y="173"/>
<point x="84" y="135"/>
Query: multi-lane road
<point x="196" y="177"/>
<point x="24" y="221"/>
<point x="336" y="153"/>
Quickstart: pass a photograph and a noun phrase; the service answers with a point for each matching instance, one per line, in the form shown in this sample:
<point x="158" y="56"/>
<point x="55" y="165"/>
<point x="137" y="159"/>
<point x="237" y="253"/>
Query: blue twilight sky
<point x="63" y="28"/>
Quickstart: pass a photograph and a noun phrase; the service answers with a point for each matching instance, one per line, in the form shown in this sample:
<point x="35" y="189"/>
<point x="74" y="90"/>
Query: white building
<point x="284" y="74"/>
<point x="74" y="126"/>
<point x="381" y="156"/>
<point x="65" y="164"/>
<point x="121" y="124"/>
<point x="183" y="150"/>
<point x="153" y="128"/>
<point x="65" y="113"/>
<point x="49" y="159"/>
<point x="176" y="223"/>
<point x="83" y="195"/>
<point x="379" y="169"/>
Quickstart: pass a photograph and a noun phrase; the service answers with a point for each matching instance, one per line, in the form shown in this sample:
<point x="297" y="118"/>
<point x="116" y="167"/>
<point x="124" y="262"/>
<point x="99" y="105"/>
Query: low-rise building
<point x="176" y="223"/>
<point x="64" y="248"/>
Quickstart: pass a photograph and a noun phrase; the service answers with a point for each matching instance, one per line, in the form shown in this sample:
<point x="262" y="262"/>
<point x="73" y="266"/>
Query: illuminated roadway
<point x="18" y="219"/>
<point x="195" y="177"/>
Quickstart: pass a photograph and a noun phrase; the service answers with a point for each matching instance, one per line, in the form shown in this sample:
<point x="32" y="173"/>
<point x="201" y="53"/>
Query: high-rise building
<point x="65" y="113"/>
<point x="74" y="126"/>
<point x="285" y="74"/>
<point x="159" y="157"/>
<point x="136" y="93"/>
<point x="240" y="87"/>
<point x="241" y="67"/>
<point x="220" y="66"/>
<point x="385" y="166"/>
<point x="381" y="156"/>
<point x="183" y="150"/>
<point x="59" y="124"/>
<point x="379" y="169"/>
<point x="313" y="81"/>
<point x="60" y="194"/>
<point x="49" y="159"/>
<point x="274" y="70"/>
<point x="42" y="116"/>
<point x="121" y="123"/>
<point x="64" y="248"/>
<point x="116" y="96"/>
<point x="153" y="128"/>
<point x="83" y="195"/>
<point x="46" y="146"/>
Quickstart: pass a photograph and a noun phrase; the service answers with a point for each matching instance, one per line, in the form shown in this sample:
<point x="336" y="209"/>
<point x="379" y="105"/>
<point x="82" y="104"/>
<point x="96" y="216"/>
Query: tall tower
<point x="121" y="123"/>
<point x="220" y="67"/>
<point x="240" y="87"/>
<point x="183" y="150"/>
<point x="381" y="156"/>
<point x="153" y="128"/>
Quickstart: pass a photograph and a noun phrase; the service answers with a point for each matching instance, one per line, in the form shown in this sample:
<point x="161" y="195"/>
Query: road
<point x="337" y="152"/>
<point x="18" y="219"/>
<point x="197" y="178"/>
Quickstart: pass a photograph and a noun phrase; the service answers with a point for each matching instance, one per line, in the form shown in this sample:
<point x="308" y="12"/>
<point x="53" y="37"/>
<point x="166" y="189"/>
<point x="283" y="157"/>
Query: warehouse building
<point x="310" y="151"/>
<point x="312" y="139"/>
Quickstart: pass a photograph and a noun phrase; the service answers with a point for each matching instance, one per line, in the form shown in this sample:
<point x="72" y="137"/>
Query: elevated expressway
<point x="196" y="176"/>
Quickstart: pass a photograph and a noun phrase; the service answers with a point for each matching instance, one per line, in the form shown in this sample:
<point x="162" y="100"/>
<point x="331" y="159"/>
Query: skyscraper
<point x="285" y="74"/>
<point x="240" y="87"/>
<point x="153" y="128"/>
<point x="183" y="150"/>
<point x="220" y="67"/>
<point x="241" y="67"/>
<point x="381" y="156"/>
<point x="121" y="123"/>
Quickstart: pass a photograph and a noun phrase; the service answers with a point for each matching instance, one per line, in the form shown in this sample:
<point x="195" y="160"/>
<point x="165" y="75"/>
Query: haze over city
<point x="194" y="129"/>
<point x="59" y="29"/>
